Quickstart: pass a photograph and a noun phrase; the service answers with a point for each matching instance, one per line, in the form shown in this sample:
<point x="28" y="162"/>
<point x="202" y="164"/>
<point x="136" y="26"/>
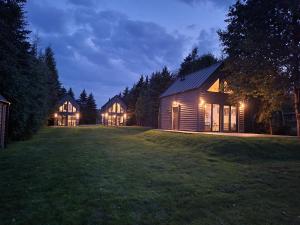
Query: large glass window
<point x="233" y="118"/>
<point x="216" y="118"/>
<point x="226" y="113"/>
<point x="70" y="106"/>
<point x="207" y="112"/>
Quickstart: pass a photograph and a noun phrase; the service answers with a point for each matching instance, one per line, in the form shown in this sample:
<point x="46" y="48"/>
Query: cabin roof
<point x="116" y="98"/>
<point x="191" y="81"/>
<point x="70" y="99"/>
<point x="2" y="99"/>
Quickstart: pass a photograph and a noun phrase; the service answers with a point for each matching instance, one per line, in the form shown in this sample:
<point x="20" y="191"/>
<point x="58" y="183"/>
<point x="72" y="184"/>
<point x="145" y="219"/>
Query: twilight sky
<point x="105" y="45"/>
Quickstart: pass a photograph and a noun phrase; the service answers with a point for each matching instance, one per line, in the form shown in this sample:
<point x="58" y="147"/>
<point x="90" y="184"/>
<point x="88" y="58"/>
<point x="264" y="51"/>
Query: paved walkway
<point x="230" y="134"/>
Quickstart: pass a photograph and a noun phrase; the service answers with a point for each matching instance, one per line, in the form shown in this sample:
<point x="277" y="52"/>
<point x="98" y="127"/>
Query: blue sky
<point x="105" y="45"/>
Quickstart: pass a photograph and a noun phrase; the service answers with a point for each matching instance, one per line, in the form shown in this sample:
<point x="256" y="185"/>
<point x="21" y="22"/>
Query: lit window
<point x="233" y="118"/>
<point x="216" y="118"/>
<point x="207" y="112"/>
<point x="226" y="117"/>
<point x="215" y="87"/>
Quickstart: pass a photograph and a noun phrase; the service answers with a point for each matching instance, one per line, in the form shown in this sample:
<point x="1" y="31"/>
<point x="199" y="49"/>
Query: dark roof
<point x="2" y="99"/>
<point x="116" y="98"/>
<point x="191" y="81"/>
<point x="70" y="99"/>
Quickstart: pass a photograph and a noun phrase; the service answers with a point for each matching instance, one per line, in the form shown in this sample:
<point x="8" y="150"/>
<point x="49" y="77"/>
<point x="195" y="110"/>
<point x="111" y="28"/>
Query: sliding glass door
<point x="216" y="117"/>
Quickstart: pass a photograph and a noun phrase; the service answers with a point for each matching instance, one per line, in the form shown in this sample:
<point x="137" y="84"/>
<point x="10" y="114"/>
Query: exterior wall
<point x="3" y="123"/>
<point x="188" y="117"/>
<point x="192" y="117"/>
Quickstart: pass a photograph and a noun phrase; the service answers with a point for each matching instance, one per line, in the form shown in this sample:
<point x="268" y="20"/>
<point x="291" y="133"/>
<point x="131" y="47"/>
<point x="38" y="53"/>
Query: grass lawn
<point x="97" y="175"/>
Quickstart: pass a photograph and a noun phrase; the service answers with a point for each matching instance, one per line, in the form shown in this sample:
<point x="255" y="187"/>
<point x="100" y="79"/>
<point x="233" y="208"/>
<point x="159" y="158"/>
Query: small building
<point x="68" y="112"/>
<point x="199" y="102"/>
<point x="4" y="113"/>
<point x="114" y="112"/>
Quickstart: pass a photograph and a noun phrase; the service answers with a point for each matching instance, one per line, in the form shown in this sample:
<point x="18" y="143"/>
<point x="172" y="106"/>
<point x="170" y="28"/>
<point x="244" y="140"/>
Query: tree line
<point x="29" y="78"/>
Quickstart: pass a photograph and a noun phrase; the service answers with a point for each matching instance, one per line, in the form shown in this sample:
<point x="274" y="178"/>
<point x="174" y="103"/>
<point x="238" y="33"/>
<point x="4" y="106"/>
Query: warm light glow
<point x="77" y="115"/>
<point x="106" y="114"/>
<point x="102" y="115"/>
<point x="242" y="105"/>
<point x="202" y="102"/>
<point x="175" y="103"/>
<point x="114" y="116"/>
<point x="125" y="115"/>
<point x="55" y="115"/>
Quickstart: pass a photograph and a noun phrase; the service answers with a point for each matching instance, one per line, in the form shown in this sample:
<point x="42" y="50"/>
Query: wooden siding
<point x="241" y="120"/>
<point x="188" y="102"/>
<point x="192" y="112"/>
<point x="3" y="117"/>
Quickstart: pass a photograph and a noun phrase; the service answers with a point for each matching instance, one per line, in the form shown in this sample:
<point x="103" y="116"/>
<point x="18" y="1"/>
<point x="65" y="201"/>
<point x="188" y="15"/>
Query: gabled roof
<point x="2" y="99"/>
<point x="191" y="81"/>
<point x="116" y="98"/>
<point x="70" y="99"/>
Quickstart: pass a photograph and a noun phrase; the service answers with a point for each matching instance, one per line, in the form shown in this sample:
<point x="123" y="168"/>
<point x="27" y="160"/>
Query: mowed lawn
<point x="97" y="175"/>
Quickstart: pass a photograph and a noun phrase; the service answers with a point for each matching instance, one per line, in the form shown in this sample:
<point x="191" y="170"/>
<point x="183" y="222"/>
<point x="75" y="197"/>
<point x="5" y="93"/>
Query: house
<point x="114" y="112"/>
<point x="68" y="112"/>
<point x="4" y="113"/>
<point x="199" y="102"/>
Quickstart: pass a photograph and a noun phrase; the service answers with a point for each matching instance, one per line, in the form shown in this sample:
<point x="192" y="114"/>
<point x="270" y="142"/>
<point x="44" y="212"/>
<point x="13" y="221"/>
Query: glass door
<point x="216" y="117"/>
<point x="226" y="115"/>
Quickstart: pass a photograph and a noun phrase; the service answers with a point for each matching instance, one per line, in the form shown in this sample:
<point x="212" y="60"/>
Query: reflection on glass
<point x="226" y="117"/>
<point x="216" y="117"/>
<point x="207" y="112"/>
<point x="233" y="118"/>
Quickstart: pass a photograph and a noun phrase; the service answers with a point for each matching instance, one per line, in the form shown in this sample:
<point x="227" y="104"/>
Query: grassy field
<point x="96" y="175"/>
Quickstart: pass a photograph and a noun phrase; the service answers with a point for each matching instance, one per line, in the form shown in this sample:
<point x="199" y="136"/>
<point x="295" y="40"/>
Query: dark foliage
<point x="194" y="62"/>
<point x="26" y="80"/>
<point x="262" y="41"/>
<point x="88" y="108"/>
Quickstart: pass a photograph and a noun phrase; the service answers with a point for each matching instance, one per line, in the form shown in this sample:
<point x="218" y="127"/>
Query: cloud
<point x="103" y="50"/>
<point x="222" y="3"/>
<point x="207" y="42"/>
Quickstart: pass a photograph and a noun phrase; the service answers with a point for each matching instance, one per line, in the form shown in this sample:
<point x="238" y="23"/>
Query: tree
<point x="194" y="62"/>
<point x="82" y="102"/>
<point x="264" y="51"/>
<point x="53" y="82"/>
<point x="23" y="76"/>
<point x="71" y="93"/>
<point x="91" y="110"/>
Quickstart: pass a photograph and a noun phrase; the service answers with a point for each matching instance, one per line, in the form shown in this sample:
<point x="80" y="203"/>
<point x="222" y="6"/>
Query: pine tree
<point x="71" y="93"/>
<point x="91" y="110"/>
<point x="53" y="82"/>
<point x="82" y="102"/>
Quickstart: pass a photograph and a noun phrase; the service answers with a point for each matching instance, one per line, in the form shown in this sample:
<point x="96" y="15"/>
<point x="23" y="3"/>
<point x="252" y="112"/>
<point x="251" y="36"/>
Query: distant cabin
<point x="199" y="102"/>
<point x="4" y="113"/>
<point x="114" y="112"/>
<point x="67" y="112"/>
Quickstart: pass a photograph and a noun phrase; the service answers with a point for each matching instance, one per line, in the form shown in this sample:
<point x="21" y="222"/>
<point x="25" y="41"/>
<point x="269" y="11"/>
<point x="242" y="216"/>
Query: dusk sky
<point x="105" y="45"/>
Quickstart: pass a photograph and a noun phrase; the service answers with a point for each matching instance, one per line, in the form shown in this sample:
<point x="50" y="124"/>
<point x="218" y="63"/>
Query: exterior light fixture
<point x="114" y="116"/>
<point x="125" y="115"/>
<point x="175" y="103"/>
<point x="77" y="116"/>
<point x="242" y="105"/>
<point x="202" y="102"/>
<point x="102" y="115"/>
<point x="106" y="114"/>
<point x="55" y="115"/>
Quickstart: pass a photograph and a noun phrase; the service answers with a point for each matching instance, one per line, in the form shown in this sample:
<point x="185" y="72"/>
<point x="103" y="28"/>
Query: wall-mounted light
<point x="77" y="116"/>
<point x="55" y="115"/>
<point x="242" y="105"/>
<point x="202" y="102"/>
<point x="175" y="103"/>
<point x="125" y="115"/>
<point x="106" y="114"/>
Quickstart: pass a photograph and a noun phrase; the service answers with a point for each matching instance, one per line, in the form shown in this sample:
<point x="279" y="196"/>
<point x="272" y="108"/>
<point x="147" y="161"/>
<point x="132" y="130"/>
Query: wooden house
<point x="67" y="113"/>
<point x="199" y="102"/>
<point x="114" y="112"/>
<point x="4" y="113"/>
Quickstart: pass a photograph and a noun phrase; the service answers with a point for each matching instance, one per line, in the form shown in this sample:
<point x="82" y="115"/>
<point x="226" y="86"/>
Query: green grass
<point x="96" y="175"/>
